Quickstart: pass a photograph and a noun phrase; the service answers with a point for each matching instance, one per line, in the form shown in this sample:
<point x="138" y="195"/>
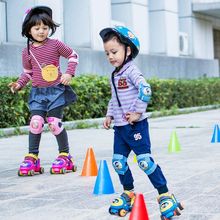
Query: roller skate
<point x="62" y="164"/>
<point x="122" y="205"/>
<point x="30" y="166"/>
<point x="169" y="206"/>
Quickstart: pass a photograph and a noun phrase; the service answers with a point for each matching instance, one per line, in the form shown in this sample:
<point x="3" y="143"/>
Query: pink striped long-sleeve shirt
<point x="127" y="82"/>
<point x="49" y="53"/>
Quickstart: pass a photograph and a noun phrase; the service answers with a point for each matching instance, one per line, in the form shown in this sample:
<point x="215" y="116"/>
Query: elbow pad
<point x="144" y="92"/>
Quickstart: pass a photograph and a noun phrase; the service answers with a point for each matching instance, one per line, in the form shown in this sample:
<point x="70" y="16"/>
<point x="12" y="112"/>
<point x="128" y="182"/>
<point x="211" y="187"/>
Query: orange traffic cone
<point x="139" y="210"/>
<point x="90" y="166"/>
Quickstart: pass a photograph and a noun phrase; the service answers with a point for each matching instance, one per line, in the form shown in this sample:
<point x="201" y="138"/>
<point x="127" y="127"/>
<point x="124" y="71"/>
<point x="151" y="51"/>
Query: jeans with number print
<point x="136" y="137"/>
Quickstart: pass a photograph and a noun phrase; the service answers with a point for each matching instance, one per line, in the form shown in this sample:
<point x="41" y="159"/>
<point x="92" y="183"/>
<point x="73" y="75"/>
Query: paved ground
<point x="193" y="174"/>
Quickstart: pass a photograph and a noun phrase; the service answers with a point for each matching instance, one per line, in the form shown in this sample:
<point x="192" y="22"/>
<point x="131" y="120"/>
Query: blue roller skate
<point x="169" y="206"/>
<point x="122" y="205"/>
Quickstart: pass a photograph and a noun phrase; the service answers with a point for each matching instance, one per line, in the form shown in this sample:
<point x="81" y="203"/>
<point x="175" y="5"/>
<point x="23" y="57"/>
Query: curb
<point x="97" y="122"/>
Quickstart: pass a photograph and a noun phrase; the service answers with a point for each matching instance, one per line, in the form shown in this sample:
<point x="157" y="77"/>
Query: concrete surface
<point x="193" y="174"/>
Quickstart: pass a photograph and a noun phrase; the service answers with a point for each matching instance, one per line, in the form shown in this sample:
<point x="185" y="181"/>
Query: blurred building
<point x="179" y="38"/>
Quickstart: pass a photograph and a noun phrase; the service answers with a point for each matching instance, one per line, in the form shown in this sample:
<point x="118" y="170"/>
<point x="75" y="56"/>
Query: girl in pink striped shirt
<point x="50" y="91"/>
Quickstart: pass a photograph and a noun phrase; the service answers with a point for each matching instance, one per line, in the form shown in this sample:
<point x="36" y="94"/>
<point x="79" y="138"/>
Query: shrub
<point x="94" y="93"/>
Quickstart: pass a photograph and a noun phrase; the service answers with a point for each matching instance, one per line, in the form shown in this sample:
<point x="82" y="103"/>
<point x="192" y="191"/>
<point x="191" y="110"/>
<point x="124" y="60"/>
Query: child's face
<point x="115" y="52"/>
<point x="40" y="32"/>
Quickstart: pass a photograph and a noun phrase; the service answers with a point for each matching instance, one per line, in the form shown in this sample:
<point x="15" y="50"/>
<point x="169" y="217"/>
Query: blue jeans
<point x="136" y="137"/>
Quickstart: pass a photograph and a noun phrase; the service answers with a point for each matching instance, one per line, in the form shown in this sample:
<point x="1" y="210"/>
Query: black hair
<point x="36" y="19"/>
<point x="110" y="35"/>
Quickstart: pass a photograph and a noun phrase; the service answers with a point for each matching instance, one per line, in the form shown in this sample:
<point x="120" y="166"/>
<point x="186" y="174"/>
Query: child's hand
<point x="107" y="122"/>
<point x="14" y="86"/>
<point x="66" y="79"/>
<point x="132" y="117"/>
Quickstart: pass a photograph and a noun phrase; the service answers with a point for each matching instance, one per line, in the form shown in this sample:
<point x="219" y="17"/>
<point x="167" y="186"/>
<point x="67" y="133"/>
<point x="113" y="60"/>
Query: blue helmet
<point x="126" y="36"/>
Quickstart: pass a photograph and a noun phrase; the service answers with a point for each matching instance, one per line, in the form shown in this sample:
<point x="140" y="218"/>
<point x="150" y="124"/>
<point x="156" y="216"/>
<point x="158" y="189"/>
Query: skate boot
<point x="122" y="205"/>
<point x="62" y="164"/>
<point x="169" y="206"/>
<point x="30" y="166"/>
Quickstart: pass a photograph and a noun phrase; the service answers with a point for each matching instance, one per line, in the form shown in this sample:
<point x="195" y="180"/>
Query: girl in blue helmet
<point x="130" y="96"/>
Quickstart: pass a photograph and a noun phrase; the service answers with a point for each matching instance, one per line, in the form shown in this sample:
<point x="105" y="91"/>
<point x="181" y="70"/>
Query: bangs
<point x="37" y="19"/>
<point x="111" y="36"/>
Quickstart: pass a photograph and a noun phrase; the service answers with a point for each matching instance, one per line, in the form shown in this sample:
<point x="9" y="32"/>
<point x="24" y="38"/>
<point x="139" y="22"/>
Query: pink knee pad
<point x="55" y="125"/>
<point x="36" y="124"/>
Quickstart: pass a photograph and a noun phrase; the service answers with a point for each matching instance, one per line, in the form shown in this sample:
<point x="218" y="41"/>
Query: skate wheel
<point x="163" y="218"/>
<point x="181" y="206"/>
<point x="110" y="211"/>
<point x="30" y="173"/>
<point x="19" y="173"/>
<point x="122" y="212"/>
<point x="177" y="212"/>
<point x="51" y="171"/>
<point x="74" y="169"/>
<point x="63" y="171"/>
<point x="41" y="170"/>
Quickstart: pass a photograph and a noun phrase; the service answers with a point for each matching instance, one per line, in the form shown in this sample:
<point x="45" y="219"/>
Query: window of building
<point x="3" y="32"/>
<point x="216" y="35"/>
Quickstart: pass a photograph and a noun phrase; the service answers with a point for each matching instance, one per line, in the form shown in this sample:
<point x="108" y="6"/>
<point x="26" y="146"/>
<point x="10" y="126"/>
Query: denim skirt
<point x="48" y="98"/>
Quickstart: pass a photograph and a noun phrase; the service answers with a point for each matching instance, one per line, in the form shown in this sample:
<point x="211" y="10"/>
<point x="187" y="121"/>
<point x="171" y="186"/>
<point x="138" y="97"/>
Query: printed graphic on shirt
<point x="137" y="136"/>
<point x="122" y="83"/>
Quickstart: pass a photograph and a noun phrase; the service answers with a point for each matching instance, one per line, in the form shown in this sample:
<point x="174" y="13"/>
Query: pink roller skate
<point x="30" y="166"/>
<point x="62" y="164"/>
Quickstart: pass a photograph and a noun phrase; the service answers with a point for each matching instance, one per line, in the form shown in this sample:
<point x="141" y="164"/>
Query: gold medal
<point x="49" y="73"/>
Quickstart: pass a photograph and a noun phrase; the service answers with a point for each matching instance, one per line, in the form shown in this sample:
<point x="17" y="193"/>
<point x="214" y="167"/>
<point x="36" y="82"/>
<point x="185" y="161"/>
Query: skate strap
<point x="163" y="197"/>
<point x="127" y="196"/>
<point x="32" y="157"/>
<point x="63" y="157"/>
<point x="63" y="154"/>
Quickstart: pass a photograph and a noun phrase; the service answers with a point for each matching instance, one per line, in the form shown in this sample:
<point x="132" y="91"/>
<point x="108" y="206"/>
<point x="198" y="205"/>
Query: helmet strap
<point x="28" y="45"/>
<point x="124" y="61"/>
<point x="117" y="69"/>
<point x="32" y="40"/>
<point x="125" y="57"/>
